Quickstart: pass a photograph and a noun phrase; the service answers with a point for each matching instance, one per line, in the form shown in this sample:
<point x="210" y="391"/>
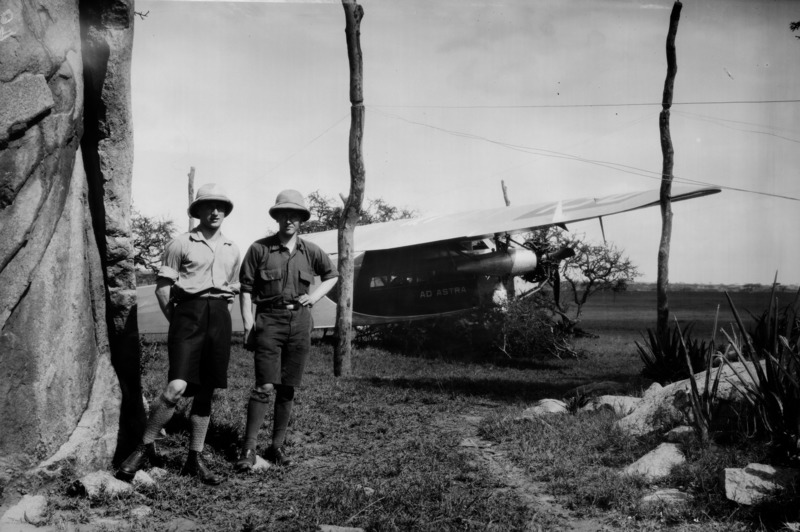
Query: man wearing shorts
<point x="276" y="277"/>
<point x="195" y="289"/>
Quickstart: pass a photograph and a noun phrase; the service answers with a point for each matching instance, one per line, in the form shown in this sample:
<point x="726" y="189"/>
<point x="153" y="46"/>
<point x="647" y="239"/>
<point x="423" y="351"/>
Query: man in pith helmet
<point x="276" y="278"/>
<point x="195" y="289"/>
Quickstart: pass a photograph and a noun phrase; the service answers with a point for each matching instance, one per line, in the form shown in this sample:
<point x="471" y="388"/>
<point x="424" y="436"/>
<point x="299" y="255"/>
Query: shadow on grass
<point x="502" y="390"/>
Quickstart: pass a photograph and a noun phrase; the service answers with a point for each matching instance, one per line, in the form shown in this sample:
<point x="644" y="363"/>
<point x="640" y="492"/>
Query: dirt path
<point x="510" y="477"/>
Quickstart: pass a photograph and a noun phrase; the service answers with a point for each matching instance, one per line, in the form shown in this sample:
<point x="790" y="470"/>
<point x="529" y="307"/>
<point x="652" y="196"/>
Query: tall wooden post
<point x="662" y="302"/>
<point x="344" y="308"/>
<point x="508" y="280"/>
<point x="191" y="195"/>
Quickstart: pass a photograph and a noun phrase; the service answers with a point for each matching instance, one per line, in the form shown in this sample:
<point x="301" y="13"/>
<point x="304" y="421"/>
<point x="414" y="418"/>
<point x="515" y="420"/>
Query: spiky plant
<point x="772" y="381"/>
<point x="664" y="358"/>
<point x="703" y="403"/>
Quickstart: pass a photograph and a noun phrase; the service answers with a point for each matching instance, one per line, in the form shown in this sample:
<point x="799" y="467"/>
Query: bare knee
<point x="175" y="390"/>
<point x="264" y="388"/>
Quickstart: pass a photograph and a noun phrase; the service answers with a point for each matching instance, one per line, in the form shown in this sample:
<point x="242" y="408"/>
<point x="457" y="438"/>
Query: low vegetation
<point x="384" y="449"/>
<point x="522" y="330"/>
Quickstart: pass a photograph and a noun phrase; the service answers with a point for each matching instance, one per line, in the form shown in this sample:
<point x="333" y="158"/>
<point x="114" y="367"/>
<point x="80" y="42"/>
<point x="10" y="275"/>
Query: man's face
<point x="212" y="213"/>
<point x="288" y="222"/>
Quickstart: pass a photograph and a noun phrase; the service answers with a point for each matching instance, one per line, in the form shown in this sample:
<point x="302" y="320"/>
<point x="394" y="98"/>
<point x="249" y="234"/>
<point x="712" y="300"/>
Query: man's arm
<point x="163" y="288"/>
<point x="319" y="292"/>
<point x="246" y="306"/>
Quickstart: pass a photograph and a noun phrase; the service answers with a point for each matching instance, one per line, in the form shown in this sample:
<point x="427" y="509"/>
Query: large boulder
<point x="65" y="292"/>
<point x="663" y="408"/>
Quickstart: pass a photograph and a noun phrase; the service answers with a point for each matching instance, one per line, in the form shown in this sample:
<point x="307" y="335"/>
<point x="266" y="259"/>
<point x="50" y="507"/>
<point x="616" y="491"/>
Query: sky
<point x="556" y="99"/>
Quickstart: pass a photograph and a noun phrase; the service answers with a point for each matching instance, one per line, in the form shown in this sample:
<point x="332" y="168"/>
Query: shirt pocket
<point x="270" y="282"/>
<point x="306" y="279"/>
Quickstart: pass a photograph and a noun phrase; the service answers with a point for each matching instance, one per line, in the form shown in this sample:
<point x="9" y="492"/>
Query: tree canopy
<point x="325" y="214"/>
<point x="591" y="269"/>
<point x="150" y="237"/>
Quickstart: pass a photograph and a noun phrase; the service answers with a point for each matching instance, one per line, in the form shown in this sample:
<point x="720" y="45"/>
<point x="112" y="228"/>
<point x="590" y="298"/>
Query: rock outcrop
<point x="663" y="408"/>
<point x="67" y="292"/>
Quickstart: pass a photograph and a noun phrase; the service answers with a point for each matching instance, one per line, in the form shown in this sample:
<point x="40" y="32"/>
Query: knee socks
<point x="284" y="399"/>
<point x="160" y="414"/>
<point x="257" y="409"/>
<point x="200" y="417"/>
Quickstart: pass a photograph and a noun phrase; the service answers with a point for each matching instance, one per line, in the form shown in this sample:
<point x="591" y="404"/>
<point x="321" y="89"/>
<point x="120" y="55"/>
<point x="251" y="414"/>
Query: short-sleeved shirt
<point x="273" y="275"/>
<point x="200" y="268"/>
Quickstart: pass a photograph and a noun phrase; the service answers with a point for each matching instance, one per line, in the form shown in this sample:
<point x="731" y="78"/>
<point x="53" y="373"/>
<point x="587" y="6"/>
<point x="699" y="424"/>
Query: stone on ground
<point x="757" y="482"/>
<point x="658" y="463"/>
<point x="93" y="484"/>
<point x="545" y="406"/>
<point x="30" y="510"/>
<point x="670" y="497"/>
<point x="622" y="405"/>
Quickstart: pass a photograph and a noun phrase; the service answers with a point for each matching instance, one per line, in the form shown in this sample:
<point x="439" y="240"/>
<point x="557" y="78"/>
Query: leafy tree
<point x="591" y="269"/>
<point x="150" y="236"/>
<point x="325" y="215"/>
<point x="794" y="26"/>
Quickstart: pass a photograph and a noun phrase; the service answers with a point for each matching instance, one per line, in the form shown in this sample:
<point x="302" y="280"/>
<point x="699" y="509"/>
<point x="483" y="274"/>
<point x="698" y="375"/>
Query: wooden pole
<point x="662" y="301"/>
<point x="191" y="195"/>
<point x="508" y="280"/>
<point x="342" y="364"/>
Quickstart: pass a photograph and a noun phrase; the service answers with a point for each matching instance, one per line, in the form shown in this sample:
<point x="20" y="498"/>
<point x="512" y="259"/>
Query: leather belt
<point x="281" y="306"/>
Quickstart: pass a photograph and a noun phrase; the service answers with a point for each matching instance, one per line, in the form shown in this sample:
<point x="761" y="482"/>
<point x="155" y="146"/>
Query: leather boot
<point x="195" y="466"/>
<point x="247" y="459"/>
<point x="144" y="452"/>
<point x="133" y="463"/>
<point x="277" y="456"/>
<point x="154" y="458"/>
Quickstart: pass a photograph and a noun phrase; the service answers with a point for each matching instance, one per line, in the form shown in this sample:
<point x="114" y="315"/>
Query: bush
<point x="665" y="360"/>
<point x="521" y="330"/>
<point x="526" y="330"/>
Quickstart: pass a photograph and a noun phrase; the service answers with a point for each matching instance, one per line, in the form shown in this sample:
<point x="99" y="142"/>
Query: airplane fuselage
<point x="420" y="282"/>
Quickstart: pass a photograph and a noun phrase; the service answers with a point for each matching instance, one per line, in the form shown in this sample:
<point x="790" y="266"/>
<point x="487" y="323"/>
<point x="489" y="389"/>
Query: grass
<point x="374" y="430"/>
<point x="380" y="449"/>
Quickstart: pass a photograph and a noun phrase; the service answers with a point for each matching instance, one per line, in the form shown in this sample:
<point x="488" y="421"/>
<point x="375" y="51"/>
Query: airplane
<point x="436" y="265"/>
<point x="418" y="268"/>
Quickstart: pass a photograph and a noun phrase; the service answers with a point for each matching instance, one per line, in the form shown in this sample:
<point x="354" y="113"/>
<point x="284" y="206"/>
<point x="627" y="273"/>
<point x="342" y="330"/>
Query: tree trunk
<point x="662" y="302"/>
<point x="191" y="195"/>
<point x="347" y="224"/>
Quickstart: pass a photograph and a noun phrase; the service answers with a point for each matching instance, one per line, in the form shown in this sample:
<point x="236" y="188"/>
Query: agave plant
<point x="772" y="381"/>
<point x="703" y="403"/>
<point x="664" y="358"/>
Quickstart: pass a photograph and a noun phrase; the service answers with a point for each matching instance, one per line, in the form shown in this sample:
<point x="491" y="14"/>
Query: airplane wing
<point x="485" y="223"/>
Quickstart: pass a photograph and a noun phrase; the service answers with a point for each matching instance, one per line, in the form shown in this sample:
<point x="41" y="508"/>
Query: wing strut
<point x="602" y="229"/>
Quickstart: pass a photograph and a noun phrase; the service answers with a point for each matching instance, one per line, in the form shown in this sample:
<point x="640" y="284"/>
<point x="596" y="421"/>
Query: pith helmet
<point x="210" y="192"/>
<point x="290" y="200"/>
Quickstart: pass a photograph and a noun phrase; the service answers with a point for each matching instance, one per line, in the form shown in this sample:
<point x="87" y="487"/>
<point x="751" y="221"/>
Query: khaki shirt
<point x="274" y="275"/>
<point x="200" y="270"/>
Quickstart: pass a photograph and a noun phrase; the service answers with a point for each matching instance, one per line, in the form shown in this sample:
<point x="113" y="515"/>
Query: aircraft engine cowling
<point x="511" y="262"/>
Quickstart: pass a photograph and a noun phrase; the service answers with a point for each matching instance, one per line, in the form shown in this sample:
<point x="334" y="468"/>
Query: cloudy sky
<point x="557" y="99"/>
